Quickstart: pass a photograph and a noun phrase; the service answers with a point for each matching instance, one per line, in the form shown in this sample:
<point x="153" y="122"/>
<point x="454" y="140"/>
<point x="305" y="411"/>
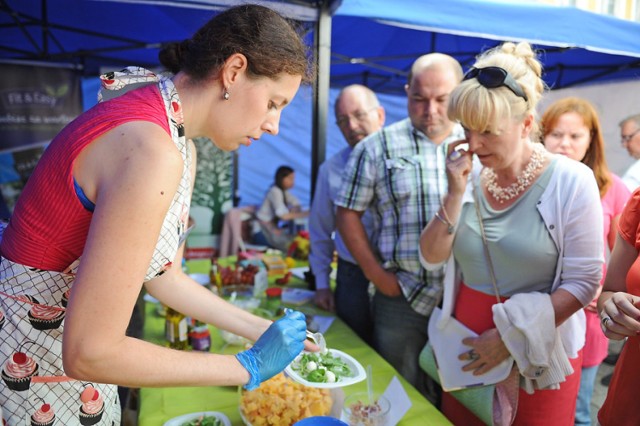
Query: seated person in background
<point x="278" y="205"/>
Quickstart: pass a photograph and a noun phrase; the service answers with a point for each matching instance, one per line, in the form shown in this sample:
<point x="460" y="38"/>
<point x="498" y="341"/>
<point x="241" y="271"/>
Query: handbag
<point x="439" y="359"/>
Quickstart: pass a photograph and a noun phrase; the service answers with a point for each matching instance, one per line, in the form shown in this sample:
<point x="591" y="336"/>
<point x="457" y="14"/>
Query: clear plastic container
<point x="359" y="410"/>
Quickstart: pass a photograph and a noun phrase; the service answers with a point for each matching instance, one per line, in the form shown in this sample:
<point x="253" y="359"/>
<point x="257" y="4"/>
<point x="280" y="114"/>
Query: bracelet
<point x="450" y="226"/>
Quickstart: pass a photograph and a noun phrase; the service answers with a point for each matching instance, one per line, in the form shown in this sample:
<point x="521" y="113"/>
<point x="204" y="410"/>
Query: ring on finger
<point x="455" y="154"/>
<point x="604" y="321"/>
<point x="473" y="355"/>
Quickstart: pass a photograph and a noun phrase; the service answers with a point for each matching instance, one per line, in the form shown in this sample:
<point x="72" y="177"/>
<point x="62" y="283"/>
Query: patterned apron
<point x="34" y="389"/>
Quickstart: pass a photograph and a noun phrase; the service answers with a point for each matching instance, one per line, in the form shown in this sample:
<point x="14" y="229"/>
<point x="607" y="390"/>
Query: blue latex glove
<point x="275" y="349"/>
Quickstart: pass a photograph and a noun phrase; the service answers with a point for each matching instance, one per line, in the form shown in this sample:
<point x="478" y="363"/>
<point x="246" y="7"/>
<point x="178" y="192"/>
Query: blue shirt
<point x="322" y="220"/>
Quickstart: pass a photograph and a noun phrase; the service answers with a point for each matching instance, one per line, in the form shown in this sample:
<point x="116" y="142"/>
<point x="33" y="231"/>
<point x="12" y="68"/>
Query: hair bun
<point x="171" y="56"/>
<point x="523" y="51"/>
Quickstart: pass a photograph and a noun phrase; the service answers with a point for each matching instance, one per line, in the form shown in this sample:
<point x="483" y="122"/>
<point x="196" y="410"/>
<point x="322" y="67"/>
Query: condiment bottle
<point x="214" y="274"/>
<point x="175" y="330"/>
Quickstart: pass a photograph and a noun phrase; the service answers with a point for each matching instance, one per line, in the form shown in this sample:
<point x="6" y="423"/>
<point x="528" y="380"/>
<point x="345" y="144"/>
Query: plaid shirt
<point x="401" y="174"/>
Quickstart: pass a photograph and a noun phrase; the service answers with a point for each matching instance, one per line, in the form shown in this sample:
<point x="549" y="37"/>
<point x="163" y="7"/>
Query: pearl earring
<point x="226" y="95"/>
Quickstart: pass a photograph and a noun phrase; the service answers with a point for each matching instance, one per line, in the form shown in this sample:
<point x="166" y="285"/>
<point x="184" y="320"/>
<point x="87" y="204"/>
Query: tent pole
<point x="322" y="48"/>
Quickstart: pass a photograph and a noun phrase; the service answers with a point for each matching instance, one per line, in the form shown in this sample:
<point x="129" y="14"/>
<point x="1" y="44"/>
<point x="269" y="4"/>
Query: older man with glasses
<point x="630" y="138"/>
<point x="358" y="114"/>
<point x="399" y="172"/>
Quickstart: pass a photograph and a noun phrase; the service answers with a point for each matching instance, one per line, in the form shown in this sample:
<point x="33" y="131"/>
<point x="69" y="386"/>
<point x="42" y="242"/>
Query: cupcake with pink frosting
<point x="18" y="371"/>
<point x="43" y="317"/>
<point x="92" y="406"/>
<point x="44" y="416"/>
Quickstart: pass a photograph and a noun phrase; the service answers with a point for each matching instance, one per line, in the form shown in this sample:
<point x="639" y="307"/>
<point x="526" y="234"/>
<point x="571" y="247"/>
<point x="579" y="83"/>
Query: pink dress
<point x="596" y="346"/>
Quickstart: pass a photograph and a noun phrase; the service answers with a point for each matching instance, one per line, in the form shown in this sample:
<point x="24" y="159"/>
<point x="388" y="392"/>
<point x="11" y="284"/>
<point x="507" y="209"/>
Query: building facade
<point x="623" y="9"/>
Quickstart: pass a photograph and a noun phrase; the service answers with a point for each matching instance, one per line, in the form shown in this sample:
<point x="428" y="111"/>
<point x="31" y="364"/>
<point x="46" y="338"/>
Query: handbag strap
<point x="485" y="245"/>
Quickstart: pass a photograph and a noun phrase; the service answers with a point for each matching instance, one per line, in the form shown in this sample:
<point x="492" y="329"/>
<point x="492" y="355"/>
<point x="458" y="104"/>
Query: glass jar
<point x="200" y="337"/>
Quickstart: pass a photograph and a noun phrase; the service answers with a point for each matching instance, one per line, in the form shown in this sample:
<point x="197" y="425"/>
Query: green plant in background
<point x="213" y="186"/>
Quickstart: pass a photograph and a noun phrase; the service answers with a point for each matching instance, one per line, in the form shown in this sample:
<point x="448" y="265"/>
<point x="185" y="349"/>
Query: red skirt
<point x="543" y="407"/>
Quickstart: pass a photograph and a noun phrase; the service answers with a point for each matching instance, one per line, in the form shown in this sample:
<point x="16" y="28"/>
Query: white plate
<point x="299" y="271"/>
<point x="178" y="421"/>
<point x="297" y="296"/>
<point x="357" y="373"/>
<point x="202" y="279"/>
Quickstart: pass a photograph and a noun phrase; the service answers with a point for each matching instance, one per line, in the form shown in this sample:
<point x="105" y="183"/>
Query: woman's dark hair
<point x="271" y="44"/>
<point x="281" y="173"/>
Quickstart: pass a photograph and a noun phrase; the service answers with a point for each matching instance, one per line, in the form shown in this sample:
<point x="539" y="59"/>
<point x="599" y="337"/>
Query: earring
<point x="226" y="95"/>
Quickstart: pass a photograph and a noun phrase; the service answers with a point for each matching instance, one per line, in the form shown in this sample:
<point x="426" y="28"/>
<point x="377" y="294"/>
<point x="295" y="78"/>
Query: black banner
<point x="36" y="102"/>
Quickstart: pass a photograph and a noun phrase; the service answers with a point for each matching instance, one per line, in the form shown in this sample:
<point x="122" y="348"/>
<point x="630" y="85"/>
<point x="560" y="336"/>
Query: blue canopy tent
<point x="376" y="41"/>
<point x="372" y="42"/>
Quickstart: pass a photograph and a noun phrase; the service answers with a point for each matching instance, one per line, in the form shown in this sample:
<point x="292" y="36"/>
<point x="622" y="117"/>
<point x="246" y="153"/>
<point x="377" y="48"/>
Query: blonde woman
<point x="543" y="229"/>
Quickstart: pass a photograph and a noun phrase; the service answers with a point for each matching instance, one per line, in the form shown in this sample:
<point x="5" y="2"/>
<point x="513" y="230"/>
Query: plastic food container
<point x="242" y="297"/>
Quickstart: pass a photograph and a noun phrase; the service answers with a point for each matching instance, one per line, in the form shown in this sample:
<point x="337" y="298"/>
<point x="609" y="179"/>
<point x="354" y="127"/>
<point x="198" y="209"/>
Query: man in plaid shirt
<point x="399" y="172"/>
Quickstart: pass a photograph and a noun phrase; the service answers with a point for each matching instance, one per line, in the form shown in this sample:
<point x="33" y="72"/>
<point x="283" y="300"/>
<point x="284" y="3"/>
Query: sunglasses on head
<point x="492" y="77"/>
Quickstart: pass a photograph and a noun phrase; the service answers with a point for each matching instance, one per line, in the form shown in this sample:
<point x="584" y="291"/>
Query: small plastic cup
<point x="274" y="299"/>
<point x="358" y="410"/>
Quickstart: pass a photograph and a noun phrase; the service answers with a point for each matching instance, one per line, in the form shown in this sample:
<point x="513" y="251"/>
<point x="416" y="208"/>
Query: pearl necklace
<point x="522" y="182"/>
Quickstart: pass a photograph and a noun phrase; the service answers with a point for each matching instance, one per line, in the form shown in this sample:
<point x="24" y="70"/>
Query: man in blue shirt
<point x="358" y="114"/>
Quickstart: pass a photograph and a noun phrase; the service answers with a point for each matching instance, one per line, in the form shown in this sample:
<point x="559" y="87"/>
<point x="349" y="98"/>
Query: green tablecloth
<point x="158" y="405"/>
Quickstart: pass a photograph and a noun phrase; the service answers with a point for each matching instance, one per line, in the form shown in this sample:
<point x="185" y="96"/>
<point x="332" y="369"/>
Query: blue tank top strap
<point x="86" y="203"/>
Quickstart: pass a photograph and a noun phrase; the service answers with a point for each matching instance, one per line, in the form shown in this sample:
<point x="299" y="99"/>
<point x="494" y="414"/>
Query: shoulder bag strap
<point x="476" y="201"/>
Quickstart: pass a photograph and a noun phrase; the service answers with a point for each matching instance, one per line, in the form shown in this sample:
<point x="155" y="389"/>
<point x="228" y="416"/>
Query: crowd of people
<point x="512" y="224"/>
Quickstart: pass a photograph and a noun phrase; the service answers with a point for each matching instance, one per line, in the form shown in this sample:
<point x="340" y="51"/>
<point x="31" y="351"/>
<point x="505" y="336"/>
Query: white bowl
<point x="180" y="420"/>
<point x="357" y="372"/>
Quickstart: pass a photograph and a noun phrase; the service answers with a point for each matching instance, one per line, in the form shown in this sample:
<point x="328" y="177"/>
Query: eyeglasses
<point x="359" y="116"/>
<point x="627" y="138"/>
<point x="493" y="77"/>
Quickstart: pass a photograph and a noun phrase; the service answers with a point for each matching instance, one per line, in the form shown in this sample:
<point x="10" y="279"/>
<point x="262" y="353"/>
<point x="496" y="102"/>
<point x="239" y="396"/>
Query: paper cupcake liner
<point x="90" y="419"/>
<point x="19" y="384"/>
<point x="46" y="324"/>
<point x="37" y="423"/>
